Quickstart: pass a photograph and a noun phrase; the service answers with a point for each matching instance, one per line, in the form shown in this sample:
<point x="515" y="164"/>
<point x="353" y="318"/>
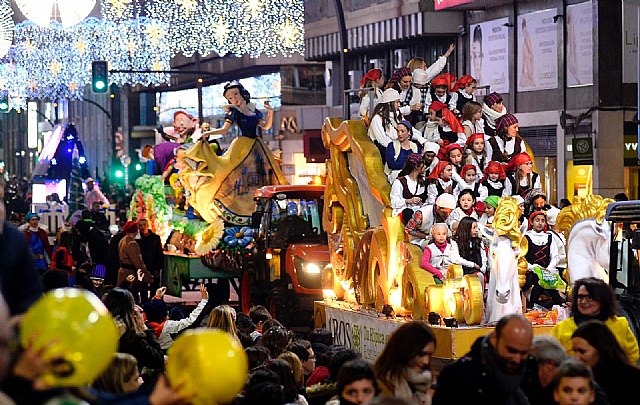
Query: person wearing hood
<point x="39" y="242"/>
<point x="430" y="156"/>
<point x="403" y="369"/>
<point x="494" y="369"/>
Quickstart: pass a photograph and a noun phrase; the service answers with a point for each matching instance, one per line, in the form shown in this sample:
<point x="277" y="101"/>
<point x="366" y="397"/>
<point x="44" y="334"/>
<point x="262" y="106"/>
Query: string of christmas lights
<point x="6" y="27"/>
<point x="57" y="61"/>
<point x="251" y="27"/>
<point x="70" y="12"/>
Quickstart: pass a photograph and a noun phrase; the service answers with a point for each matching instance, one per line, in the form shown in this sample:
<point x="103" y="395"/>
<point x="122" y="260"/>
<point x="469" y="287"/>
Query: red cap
<point x="532" y="216"/>
<point x="444" y="79"/>
<point x="494" y="167"/>
<point x="463" y="82"/>
<point x="372" y="74"/>
<point x="130" y="227"/>
<point x="435" y="174"/>
<point x="473" y="137"/>
<point x="466" y="168"/>
<point x="517" y="160"/>
<point x="453" y="146"/>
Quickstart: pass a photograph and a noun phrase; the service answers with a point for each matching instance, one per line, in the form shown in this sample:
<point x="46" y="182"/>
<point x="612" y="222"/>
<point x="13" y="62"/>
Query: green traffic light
<point x="100" y="85"/>
<point x="4" y="105"/>
<point x="119" y="174"/>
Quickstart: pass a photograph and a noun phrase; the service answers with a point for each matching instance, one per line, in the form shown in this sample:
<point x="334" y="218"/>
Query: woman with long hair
<point x="403" y="369"/>
<point x="467" y="237"/>
<point x="356" y="384"/>
<point x="595" y="345"/>
<point x="135" y="338"/>
<point x="373" y="79"/>
<point x="408" y="191"/>
<point x="521" y="177"/>
<point x="595" y="299"/>
<point x="223" y="317"/>
<point x="385" y="119"/>
<point x="399" y="150"/>
<point x="287" y="381"/>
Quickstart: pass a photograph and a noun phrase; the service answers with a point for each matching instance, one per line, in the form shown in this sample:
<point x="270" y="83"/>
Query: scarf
<point x="157" y="327"/>
<point x="441" y="246"/>
<point x="509" y="384"/>
<point x="413" y="386"/>
<point x="490" y="116"/>
<point x="469" y="211"/>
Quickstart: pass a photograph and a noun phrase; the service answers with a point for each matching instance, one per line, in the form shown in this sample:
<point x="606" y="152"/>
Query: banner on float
<point x="579" y="45"/>
<point x="489" y="45"/>
<point x="364" y="333"/>
<point x="537" y="51"/>
<point x="630" y="41"/>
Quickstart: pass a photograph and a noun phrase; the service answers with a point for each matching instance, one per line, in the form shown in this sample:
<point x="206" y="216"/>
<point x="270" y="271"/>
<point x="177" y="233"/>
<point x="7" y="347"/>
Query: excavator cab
<point x="624" y="266"/>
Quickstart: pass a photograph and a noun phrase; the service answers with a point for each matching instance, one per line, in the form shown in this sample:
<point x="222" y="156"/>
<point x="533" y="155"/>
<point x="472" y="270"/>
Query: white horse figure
<point x="507" y="249"/>
<point x="588" y="237"/>
<point x="503" y="295"/>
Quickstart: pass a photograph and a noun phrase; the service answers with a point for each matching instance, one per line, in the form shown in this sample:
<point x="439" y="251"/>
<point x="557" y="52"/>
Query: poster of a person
<point x="538" y="51"/>
<point x="580" y="44"/>
<point x="489" y="45"/>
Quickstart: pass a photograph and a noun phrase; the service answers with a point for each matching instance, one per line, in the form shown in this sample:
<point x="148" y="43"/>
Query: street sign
<point x="582" y="149"/>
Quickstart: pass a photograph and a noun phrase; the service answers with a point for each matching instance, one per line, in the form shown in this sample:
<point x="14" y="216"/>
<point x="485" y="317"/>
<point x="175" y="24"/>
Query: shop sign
<point x="582" y="151"/>
<point x="631" y="147"/>
<point x="442" y="4"/>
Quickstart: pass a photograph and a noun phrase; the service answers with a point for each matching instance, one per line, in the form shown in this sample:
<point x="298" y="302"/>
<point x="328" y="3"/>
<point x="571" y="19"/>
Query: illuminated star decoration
<point x="248" y="27"/>
<point x="71" y="12"/>
<point x="120" y="10"/>
<point x="6" y="27"/>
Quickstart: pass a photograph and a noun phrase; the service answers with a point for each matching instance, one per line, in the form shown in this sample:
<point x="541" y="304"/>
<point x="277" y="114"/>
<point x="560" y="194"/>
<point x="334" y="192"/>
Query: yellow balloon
<point x="207" y="365"/>
<point x="79" y="335"/>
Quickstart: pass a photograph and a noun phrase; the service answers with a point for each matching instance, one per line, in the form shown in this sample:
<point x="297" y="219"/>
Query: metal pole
<point x="344" y="49"/>
<point x="199" y="87"/>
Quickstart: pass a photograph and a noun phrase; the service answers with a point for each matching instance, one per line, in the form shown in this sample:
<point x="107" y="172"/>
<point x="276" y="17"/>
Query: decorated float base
<point x="366" y="330"/>
<point x="182" y="270"/>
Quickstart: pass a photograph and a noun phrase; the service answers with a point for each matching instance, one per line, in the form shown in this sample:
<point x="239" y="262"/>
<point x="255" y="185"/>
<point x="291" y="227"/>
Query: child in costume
<point x="494" y="179"/>
<point x="476" y="154"/>
<point x="441" y="181"/>
<point x="374" y="78"/>
<point x="492" y="108"/>
<point x="156" y="314"/>
<point x="463" y="92"/>
<point x="521" y="177"/>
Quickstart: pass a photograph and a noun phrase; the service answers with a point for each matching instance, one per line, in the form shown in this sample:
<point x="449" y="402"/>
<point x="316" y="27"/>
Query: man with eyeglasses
<point x="595" y="299"/>
<point x="302" y="348"/>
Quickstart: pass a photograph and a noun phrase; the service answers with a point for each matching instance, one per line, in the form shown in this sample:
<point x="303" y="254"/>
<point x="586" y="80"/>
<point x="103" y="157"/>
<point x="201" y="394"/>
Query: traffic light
<point x="99" y="76"/>
<point x="4" y="104"/>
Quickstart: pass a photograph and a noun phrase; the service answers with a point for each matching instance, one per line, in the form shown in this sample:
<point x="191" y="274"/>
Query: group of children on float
<point x="449" y="160"/>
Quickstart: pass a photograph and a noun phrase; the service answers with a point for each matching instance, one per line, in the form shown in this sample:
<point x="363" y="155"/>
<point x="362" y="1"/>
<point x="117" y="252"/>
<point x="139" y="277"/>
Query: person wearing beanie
<point x="401" y="80"/>
<point x="374" y="78"/>
<point x="399" y="150"/>
<point x="494" y="179"/>
<point x="420" y="91"/>
<point x="492" y="108"/>
<point x="485" y="223"/>
<point x="476" y="154"/>
<point x="521" y="177"/>
<point x="132" y="270"/>
<point x="429" y="156"/>
<point x="385" y="118"/>
<point x="39" y="242"/>
<point x="420" y="224"/>
<point x="535" y="200"/>
<point x="408" y="191"/>
<point x="463" y="92"/>
<point x="507" y="143"/>
<point x="543" y="253"/>
<point x="157" y="316"/>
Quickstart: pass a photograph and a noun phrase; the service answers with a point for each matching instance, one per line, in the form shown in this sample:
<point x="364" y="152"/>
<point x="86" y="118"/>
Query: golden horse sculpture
<point x="224" y="186"/>
<point x="588" y="237"/>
